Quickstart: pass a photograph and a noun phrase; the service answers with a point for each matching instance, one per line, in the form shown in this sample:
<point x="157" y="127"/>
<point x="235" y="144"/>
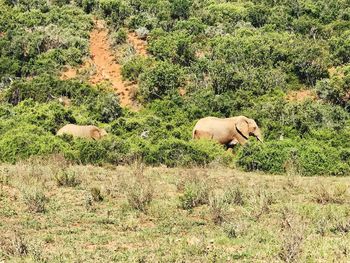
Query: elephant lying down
<point x="229" y="131"/>
<point x="81" y="131"/>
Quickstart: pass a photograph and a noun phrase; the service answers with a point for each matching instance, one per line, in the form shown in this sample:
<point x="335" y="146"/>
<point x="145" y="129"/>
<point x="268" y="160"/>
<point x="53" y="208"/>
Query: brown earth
<point x="139" y="44"/>
<point x="301" y="95"/>
<point x="103" y="64"/>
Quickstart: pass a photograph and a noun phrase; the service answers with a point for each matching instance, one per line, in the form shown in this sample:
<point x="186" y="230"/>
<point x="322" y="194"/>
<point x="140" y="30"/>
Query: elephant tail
<point x="194" y="134"/>
<point x="198" y="134"/>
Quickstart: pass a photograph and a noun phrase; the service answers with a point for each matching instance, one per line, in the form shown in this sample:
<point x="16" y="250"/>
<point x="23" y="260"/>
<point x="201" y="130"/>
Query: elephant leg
<point x="232" y="143"/>
<point x="240" y="139"/>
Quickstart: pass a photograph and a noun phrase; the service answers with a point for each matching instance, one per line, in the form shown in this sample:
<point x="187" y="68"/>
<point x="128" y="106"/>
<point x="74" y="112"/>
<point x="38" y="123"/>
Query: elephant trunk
<point x="258" y="135"/>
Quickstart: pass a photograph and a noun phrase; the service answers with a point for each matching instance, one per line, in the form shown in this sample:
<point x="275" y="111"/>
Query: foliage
<point x="176" y="47"/>
<point x="336" y="89"/>
<point x="119" y="37"/>
<point x="195" y="194"/>
<point x="162" y="79"/>
<point x="205" y="58"/>
<point x="312" y="158"/>
<point x="25" y="140"/>
<point x="134" y="67"/>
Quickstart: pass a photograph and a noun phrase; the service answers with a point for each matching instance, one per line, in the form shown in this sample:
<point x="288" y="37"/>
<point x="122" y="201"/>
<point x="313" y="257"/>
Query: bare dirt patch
<point x="301" y="95"/>
<point x="106" y="69"/>
<point x="103" y="67"/>
<point x="70" y="73"/>
<point x="139" y="44"/>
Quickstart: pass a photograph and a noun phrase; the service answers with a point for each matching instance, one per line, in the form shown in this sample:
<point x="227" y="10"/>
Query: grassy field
<point x="54" y="212"/>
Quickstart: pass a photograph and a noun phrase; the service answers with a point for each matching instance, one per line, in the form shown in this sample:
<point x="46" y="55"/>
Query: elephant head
<point x="98" y="133"/>
<point x="247" y="127"/>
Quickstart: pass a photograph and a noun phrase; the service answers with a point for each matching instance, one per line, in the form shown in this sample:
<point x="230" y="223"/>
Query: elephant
<point x="227" y="131"/>
<point x="83" y="131"/>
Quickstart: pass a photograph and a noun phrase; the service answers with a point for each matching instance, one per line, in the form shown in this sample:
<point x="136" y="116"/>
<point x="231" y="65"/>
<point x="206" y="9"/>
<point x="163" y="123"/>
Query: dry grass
<point x="136" y="214"/>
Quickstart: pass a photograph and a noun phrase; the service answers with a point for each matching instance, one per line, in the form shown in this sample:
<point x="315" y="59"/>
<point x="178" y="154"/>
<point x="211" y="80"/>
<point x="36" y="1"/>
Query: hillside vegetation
<point x="226" y="57"/>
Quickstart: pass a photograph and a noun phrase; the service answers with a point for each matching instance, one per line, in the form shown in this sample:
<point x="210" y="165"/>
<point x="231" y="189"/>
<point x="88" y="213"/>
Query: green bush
<point x="340" y="47"/>
<point x="116" y="11"/>
<point x="120" y="36"/>
<point x="40" y="38"/>
<point x="90" y="151"/>
<point x="105" y="107"/>
<point x="175" y="152"/>
<point x="46" y="87"/>
<point x="50" y="116"/>
<point x="311" y="157"/>
<point x="180" y="9"/>
<point x="87" y="5"/>
<point x="25" y="141"/>
<point x="134" y="67"/>
<point x="196" y="193"/>
<point x="336" y="88"/>
<point x="162" y="79"/>
<point x="176" y="47"/>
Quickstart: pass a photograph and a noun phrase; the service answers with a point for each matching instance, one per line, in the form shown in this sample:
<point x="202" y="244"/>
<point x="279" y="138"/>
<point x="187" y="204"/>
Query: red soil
<point x="139" y="44"/>
<point x="105" y="68"/>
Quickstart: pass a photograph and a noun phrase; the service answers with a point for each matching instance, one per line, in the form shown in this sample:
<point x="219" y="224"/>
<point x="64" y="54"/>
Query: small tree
<point x="162" y="79"/>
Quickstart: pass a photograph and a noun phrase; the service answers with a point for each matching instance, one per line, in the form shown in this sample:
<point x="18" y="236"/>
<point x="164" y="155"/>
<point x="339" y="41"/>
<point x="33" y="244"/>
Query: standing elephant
<point x="81" y="131"/>
<point x="228" y="131"/>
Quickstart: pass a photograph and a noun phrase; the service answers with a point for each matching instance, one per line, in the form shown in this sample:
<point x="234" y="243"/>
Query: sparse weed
<point x="321" y="226"/>
<point x="196" y="192"/>
<point x="35" y="199"/>
<point x="4" y="175"/>
<point x="292" y="237"/>
<point x="261" y="204"/>
<point x="325" y="195"/>
<point x="230" y="230"/>
<point x="234" y="195"/>
<point x="140" y="191"/>
<point x="342" y="227"/>
<point x="89" y="202"/>
<point x="96" y="194"/>
<point x="37" y="253"/>
<point x="218" y="209"/>
<point x="291" y="246"/>
<point x="17" y="245"/>
<point x="67" y="178"/>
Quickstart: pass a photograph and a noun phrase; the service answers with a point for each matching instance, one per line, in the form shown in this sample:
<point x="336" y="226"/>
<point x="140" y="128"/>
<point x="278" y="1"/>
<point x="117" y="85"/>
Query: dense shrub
<point x="336" y="89"/>
<point x="105" y="107"/>
<point x="119" y="37"/>
<point x="116" y="11"/>
<point x="311" y="157"/>
<point x="205" y="58"/>
<point x="175" y="152"/>
<point x="50" y="117"/>
<point x="340" y="47"/>
<point x="40" y="38"/>
<point x="162" y="79"/>
<point x="176" y="47"/>
<point x="134" y="67"/>
<point x="27" y="140"/>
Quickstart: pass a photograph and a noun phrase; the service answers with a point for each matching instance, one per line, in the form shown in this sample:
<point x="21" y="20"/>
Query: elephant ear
<point x="243" y="128"/>
<point x="95" y="134"/>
